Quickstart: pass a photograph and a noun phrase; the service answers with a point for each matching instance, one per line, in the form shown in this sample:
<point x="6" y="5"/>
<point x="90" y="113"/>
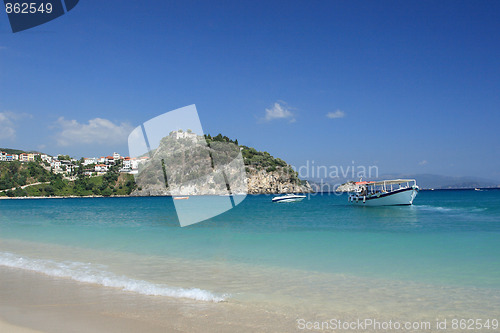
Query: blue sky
<point x="412" y="87"/>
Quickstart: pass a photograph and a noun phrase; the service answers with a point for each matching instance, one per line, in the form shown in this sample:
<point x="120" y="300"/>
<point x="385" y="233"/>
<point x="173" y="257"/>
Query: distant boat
<point x="384" y="193"/>
<point x="289" y="197"/>
<point x="477" y="189"/>
<point x="181" y="198"/>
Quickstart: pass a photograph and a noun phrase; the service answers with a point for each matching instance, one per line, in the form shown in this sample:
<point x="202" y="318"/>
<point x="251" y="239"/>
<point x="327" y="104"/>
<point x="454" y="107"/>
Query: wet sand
<point x="31" y="302"/>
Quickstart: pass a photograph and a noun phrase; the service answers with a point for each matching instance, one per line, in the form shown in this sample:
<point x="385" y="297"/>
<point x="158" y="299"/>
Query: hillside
<point x="12" y="151"/>
<point x="192" y="165"/>
<point x="32" y="179"/>
<point x="193" y="170"/>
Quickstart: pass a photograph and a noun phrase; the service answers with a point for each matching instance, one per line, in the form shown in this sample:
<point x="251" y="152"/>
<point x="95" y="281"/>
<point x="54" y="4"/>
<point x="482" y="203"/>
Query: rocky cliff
<point x="280" y="181"/>
<point x="194" y="165"/>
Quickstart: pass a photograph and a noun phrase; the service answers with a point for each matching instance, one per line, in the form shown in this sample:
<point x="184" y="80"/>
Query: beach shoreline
<point x="31" y="302"/>
<point x="127" y="196"/>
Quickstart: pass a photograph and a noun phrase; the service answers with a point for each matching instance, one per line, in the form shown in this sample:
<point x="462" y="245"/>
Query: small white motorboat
<point x="289" y="197"/>
<point x="384" y="192"/>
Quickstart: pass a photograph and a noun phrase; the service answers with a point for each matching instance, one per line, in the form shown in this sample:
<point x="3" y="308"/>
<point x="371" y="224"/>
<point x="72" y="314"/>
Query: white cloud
<point x="96" y="131"/>
<point x="335" y="115"/>
<point x="279" y="111"/>
<point x="8" y="120"/>
<point x="424" y="162"/>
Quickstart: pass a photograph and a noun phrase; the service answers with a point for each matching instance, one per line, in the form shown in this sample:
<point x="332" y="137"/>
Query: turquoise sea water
<point x="260" y="250"/>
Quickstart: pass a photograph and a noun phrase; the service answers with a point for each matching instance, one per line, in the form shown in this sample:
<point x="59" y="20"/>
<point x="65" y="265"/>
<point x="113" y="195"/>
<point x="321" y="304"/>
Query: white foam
<point x="96" y="274"/>
<point x="450" y="209"/>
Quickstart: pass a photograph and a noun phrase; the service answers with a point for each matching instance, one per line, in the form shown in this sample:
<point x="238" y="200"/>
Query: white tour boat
<point x="289" y="197"/>
<point x="384" y="193"/>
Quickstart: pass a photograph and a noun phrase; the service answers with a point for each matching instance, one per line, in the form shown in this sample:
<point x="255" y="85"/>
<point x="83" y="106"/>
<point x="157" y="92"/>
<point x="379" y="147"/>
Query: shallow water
<point x="316" y="257"/>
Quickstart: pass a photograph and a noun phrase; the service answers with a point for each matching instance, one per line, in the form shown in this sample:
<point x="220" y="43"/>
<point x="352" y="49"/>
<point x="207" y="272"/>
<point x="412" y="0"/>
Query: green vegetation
<point x="219" y="138"/>
<point x="250" y="155"/>
<point x="258" y="160"/>
<point x="14" y="175"/>
<point x="63" y="157"/>
<point x="12" y="151"/>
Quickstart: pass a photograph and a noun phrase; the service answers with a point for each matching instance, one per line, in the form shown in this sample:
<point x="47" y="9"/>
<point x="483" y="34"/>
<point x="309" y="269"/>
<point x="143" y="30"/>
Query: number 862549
<point x="28" y="8"/>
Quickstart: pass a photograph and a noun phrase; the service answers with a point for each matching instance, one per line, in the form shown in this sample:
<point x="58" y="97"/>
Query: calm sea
<point x="439" y="257"/>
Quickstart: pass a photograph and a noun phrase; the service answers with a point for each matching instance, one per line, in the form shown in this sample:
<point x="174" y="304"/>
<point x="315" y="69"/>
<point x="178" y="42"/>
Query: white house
<point x="127" y="163"/>
<point x="31" y="156"/>
<point x="109" y="160"/>
<point x="89" y="160"/>
<point x="101" y="168"/>
<point x="55" y="164"/>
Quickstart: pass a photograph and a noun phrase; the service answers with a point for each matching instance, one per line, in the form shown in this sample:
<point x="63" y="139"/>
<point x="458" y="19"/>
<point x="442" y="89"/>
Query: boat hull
<point x="292" y="199"/>
<point x="396" y="198"/>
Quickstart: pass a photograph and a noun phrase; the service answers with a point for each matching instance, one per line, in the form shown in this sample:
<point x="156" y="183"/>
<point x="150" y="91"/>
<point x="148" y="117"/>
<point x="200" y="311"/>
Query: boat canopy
<point x="392" y="182"/>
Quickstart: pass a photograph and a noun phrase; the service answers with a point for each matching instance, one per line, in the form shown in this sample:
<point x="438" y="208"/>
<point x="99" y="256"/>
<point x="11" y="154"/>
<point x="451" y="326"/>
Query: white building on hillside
<point x="55" y="164"/>
<point x="101" y="168"/>
<point x="89" y="160"/>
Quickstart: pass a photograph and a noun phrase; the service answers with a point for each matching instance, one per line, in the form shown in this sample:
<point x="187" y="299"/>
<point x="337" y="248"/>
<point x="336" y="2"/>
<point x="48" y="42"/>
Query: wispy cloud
<point x="279" y="110"/>
<point x="424" y="162"/>
<point x="335" y="115"/>
<point x="8" y="123"/>
<point x="96" y="131"/>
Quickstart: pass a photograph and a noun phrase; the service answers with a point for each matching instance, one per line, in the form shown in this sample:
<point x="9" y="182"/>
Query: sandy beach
<point x="32" y="302"/>
<point x="6" y="327"/>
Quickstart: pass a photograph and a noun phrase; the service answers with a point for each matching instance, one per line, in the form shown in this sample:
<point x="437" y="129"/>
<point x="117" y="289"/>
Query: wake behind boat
<point x="289" y="197"/>
<point x="383" y="193"/>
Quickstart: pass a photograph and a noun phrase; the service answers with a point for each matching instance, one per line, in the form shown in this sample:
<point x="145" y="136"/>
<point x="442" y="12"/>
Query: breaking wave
<point x="96" y="274"/>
